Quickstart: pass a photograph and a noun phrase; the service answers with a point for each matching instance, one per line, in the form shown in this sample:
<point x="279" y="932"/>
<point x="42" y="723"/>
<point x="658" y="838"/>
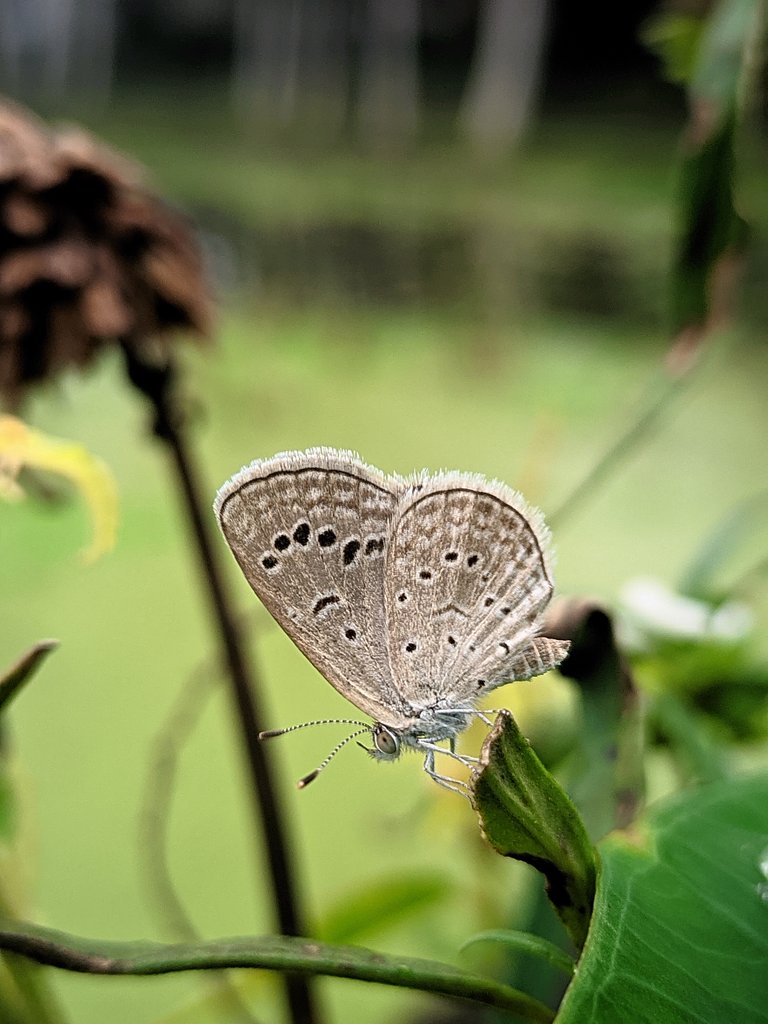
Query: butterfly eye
<point x="386" y="741"/>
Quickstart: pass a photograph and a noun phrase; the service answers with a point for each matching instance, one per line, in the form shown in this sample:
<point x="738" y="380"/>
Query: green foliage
<point x="24" y="995"/>
<point x="607" y="777"/>
<point x="675" y="39"/>
<point x="388" y="901"/>
<point x="527" y="944"/>
<point x="710" y="224"/>
<point x="669" y="912"/>
<point x="679" y="928"/>
<point x="22" y="671"/>
<point x="280" y="953"/>
<point x="12" y="681"/>
<point x="526" y="815"/>
<point x="741" y="524"/>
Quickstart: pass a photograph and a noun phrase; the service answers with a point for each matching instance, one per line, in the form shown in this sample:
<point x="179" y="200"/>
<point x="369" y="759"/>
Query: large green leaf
<point x="680" y="926"/>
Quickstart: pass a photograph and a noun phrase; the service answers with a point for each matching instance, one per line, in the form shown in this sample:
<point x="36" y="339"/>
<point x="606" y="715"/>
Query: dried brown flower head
<point x="88" y="255"/>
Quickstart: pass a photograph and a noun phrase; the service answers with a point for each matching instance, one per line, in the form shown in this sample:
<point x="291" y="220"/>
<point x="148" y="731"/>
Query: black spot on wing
<point x="301" y="534"/>
<point x="350" y="551"/>
<point x="325" y="602"/>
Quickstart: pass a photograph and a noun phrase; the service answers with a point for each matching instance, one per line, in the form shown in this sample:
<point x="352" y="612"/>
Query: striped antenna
<point x="268" y="734"/>
<point x="303" y="783"/>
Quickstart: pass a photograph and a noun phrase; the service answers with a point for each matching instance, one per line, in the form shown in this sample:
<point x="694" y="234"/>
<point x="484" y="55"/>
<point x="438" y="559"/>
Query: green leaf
<point x="525" y="814"/>
<point x="384" y="903"/>
<point x="722" y="53"/>
<point x="23" y="670"/>
<point x="710" y="223"/>
<point x="674" y="38"/>
<point x="680" y="926"/>
<point x="524" y="942"/>
<point x="740" y="524"/>
<point x="702" y="759"/>
<point x="277" y="953"/>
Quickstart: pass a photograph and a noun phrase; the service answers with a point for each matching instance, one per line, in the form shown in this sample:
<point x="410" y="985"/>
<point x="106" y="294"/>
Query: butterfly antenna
<point x="303" y="783"/>
<point x="268" y="734"/>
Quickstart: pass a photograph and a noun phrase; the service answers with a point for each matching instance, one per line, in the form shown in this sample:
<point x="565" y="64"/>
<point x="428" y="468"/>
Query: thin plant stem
<point x="158" y="795"/>
<point x="249" y="719"/>
<point x="154" y="818"/>
<point x="31" y="983"/>
<point x="157" y="383"/>
<point x="272" y="952"/>
<point x="663" y="393"/>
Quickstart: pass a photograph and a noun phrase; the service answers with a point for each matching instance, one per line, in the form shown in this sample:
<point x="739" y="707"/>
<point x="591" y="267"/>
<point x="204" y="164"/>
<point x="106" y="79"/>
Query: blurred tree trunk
<point x="56" y="27"/>
<point x="52" y="48"/>
<point x="503" y="84"/>
<point x="324" y="66"/>
<point x="94" y="48"/>
<point x="266" y="56"/>
<point x="291" y="63"/>
<point x="11" y="48"/>
<point x="389" y="95"/>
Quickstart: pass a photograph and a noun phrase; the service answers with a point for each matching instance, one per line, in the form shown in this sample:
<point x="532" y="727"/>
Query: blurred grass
<point x="573" y="170"/>
<point x="531" y="398"/>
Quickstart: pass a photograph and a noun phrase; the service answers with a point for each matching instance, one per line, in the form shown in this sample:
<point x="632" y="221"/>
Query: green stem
<point x="281" y="953"/>
<point x="38" y="1002"/>
<point x="664" y="392"/>
<point x="524" y="942"/>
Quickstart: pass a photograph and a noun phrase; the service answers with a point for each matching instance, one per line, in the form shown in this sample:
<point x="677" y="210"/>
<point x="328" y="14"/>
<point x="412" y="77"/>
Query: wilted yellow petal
<point x="21" y="447"/>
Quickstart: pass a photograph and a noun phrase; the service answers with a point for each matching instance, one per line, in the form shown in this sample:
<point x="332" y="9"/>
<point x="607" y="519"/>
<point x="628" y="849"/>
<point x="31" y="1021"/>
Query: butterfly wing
<point x="468" y="578"/>
<point x="309" y="531"/>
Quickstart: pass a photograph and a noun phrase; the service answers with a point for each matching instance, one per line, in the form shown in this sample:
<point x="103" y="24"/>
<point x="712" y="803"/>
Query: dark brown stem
<point x="157" y="384"/>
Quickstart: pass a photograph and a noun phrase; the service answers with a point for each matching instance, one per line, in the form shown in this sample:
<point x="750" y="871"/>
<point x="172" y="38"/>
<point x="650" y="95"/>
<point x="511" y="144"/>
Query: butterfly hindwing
<point x="467" y="580"/>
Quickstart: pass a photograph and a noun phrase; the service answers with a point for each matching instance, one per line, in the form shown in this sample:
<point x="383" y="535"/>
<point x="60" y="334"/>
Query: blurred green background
<point x="428" y="308"/>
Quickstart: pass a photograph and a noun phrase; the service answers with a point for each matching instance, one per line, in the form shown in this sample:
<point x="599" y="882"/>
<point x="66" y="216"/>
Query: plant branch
<point x="281" y="953"/>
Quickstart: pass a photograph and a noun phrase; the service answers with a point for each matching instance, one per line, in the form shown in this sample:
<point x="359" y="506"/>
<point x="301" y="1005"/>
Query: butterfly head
<point x="386" y="743"/>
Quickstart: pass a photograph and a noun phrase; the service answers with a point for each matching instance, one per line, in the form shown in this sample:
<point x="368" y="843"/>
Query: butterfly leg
<point x="464" y="759"/>
<point x="482" y="715"/>
<point x="449" y="751"/>
<point x="455" y="785"/>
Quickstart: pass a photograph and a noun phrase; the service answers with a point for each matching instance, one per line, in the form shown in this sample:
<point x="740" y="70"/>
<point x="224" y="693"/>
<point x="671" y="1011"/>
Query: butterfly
<point x="414" y="597"/>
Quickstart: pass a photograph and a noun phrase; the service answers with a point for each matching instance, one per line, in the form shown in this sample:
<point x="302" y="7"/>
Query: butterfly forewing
<point x="467" y="581"/>
<point x="310" y="531"/>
